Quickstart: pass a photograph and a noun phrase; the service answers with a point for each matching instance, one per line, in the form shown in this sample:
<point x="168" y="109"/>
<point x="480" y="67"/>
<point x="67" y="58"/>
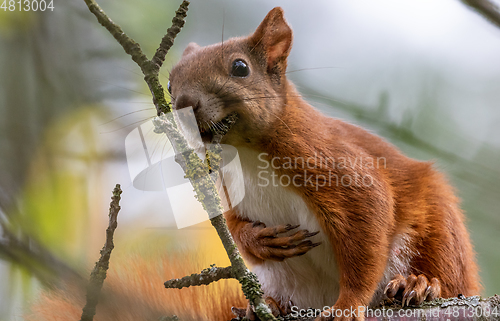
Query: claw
<point x="290" y="227"/>
<point x="312" y="234"/>
<point x="387" y="288"/>
<point x="307" y="243"/>
<point x="408" y="297"/>
<point x="427" y="291"/>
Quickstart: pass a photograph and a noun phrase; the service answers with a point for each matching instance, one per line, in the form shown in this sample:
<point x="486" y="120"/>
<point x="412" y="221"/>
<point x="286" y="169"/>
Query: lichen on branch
<point x="205" y="277"/>
<point x="201" y="175"/>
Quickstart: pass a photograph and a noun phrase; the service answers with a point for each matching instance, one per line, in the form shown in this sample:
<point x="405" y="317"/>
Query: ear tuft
<point x="274" y="38"/>
<point x="192" y="47"/>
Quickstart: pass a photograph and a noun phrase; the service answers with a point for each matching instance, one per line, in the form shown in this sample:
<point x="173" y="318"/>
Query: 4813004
<point x="27" y="5"/>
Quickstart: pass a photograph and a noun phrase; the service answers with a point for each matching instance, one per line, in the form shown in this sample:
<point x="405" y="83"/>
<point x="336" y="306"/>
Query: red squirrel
<point x="373" y="222"/>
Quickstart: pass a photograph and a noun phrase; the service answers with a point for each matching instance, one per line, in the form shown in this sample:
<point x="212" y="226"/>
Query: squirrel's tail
<point x="133" y="290"/>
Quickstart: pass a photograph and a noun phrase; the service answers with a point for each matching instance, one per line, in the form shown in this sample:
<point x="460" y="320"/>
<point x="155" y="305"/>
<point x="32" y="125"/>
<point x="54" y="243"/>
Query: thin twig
<point x="129" y="45"/>
<point x="487" y="9"/>
<point x="149" y="68"/>
<point x="168" y="39"/>
<point x="207" y="276"/>
<point x="151" y="75"/>
<point x="193" y="166"/>
<point x="206" y="192"/>
<point x="99" y="273"/>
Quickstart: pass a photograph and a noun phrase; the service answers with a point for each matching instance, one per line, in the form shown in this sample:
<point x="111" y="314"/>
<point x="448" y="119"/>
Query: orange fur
<point x="407" y="218"/>
<point x="134" y="290"/>
<point x="408" y="196"/>
<point x="407" y="202"/>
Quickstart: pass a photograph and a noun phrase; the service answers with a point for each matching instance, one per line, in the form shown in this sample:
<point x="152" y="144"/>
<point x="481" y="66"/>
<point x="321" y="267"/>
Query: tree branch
<point x="101" y="267"/>
<point x="168" y="40"/>
<point x="458" y="309"/>
<point x="197" y="172"/>
<point x="206" y="192"/>
<point x="129" y="45"/>
<point x="486" y="8"/>
<point x="46" y="267"/>
<point x="207" y="276"/>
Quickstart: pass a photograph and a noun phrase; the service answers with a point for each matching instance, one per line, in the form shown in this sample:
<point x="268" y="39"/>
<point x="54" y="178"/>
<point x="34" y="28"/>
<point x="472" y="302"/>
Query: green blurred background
<point x="424" y="74"/>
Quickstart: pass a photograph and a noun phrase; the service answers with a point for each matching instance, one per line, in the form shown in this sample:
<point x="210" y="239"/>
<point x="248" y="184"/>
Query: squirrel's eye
<point x="240" y="68"/>
<point x="169" y="87"/>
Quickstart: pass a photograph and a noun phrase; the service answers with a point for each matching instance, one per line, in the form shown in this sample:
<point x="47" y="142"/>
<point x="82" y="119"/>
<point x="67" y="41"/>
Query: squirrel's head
<point x="243" y="76"/>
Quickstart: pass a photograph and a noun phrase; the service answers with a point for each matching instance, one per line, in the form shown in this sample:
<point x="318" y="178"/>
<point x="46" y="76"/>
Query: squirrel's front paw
<point x="268" y="244"/>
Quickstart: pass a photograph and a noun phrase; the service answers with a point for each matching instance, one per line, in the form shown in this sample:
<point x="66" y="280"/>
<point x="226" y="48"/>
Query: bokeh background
<point x="424" y="74"/>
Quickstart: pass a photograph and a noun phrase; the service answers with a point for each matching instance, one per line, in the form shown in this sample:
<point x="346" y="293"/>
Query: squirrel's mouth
<point x="212" y="132"/>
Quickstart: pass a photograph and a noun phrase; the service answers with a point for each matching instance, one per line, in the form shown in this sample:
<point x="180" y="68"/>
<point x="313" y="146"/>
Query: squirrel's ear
<point x="192" y="47"/>
<point x="274" y="38"/>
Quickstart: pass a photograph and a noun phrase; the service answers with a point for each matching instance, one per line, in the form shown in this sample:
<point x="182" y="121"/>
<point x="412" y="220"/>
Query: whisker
<point x="321" y="96"/>
<point x="131" y="71"/>
<point x="127" y="114"/>
<point x="124" y="88"/>
<point x="134" y="102"/>
<point x="134" y="123"/>
<point x="223" y="85"/>
<point x="314" y="68"/>
<point x="262" y="97"/>
<point x="165" y="143"/>
<point x="282" y="122"/>
<point x="253" y="83"/>
<point x="163" y="149"/>
<point x="214" y="125"/>
<point x="222" y="42"/>
<point x="208" y="125"/>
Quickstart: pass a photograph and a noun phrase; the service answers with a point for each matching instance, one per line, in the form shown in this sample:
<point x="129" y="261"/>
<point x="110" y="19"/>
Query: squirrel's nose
<point x="184" y="101"/>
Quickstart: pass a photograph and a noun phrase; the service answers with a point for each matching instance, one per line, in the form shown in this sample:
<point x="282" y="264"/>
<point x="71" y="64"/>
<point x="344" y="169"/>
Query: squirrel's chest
<point x="262" y="197"/>
<point x="308" y="281"/>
